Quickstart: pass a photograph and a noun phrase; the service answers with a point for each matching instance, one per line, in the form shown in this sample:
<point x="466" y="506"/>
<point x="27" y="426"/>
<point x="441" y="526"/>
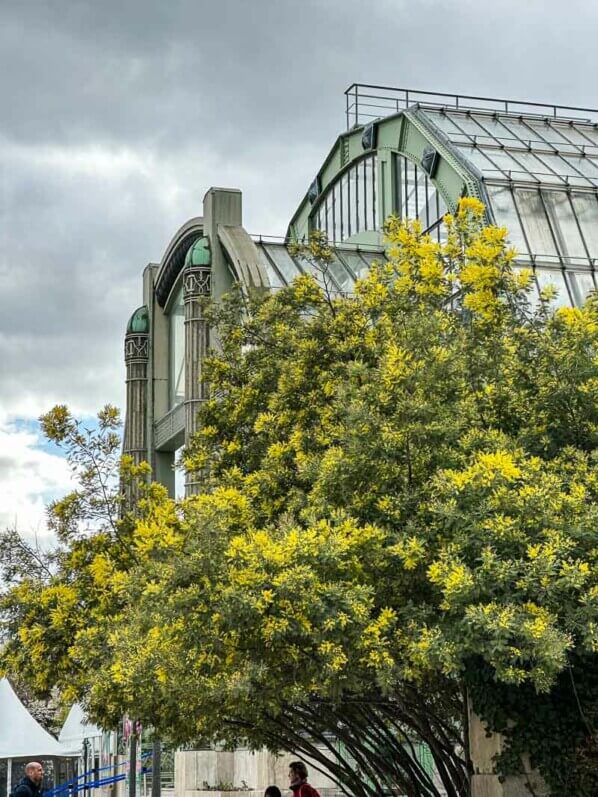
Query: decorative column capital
<point x="197" y="282"/>
<point x="136" y="347"/>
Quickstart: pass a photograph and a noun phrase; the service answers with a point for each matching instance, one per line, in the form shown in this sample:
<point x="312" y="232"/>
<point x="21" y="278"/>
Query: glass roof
<point x="541" y="180"/>
<point x="537" y="166"/>
<point x="572" y="283"/>
<point x="339" y="277"/>
<point x="523" y="149"/>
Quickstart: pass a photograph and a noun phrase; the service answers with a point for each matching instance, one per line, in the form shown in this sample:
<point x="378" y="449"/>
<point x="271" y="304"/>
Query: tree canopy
<point x="399" y="500"/>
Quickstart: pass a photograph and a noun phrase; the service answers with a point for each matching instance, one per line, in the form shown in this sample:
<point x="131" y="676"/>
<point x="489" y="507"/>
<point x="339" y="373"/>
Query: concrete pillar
<point x="222" y="207"/>
<point x="206" y="273"/>
<point x="484" y="747"/>
<point x="136" y="361"/>
<point x="197" y="281"/>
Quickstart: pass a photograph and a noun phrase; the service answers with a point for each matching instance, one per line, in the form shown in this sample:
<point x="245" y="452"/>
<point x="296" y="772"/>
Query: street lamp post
<point x="85" y="759"/>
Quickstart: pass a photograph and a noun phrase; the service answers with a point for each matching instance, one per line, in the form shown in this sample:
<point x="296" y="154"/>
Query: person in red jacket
<point x="298" y="781"/>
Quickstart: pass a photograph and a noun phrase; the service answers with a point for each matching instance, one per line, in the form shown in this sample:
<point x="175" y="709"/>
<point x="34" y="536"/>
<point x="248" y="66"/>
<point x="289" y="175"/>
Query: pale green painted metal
<point x="407" y="134"/>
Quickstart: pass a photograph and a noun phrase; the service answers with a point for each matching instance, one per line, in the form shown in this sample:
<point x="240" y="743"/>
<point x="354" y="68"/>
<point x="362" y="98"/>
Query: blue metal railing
<point x="92" y="780"/>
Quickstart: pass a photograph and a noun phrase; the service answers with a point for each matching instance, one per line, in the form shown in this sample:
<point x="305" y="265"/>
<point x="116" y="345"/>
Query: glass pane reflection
<point x="555" y="279"/>
<point x="506" y="216"/>
<point x="586" y="210"/>
<point x="535" y="222"/>
<point x="563" y="223"/>
<point x="582" y="284"/>
<point x="176" y="323"/>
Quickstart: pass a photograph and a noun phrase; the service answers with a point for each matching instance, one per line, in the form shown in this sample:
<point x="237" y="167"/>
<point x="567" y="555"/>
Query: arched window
<point x="415" y="195"/>
<point x="349" y="205"/>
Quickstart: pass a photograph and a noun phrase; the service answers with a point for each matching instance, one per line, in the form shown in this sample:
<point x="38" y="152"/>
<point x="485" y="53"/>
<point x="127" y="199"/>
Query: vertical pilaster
<point x="196" y="286"/>
<point x="136" y="363"/>
<point x="136" y="357"/>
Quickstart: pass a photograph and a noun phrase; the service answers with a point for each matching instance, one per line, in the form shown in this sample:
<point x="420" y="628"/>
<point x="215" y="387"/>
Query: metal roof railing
<point x="260" y="238"/>
<point x="365" y="102"/>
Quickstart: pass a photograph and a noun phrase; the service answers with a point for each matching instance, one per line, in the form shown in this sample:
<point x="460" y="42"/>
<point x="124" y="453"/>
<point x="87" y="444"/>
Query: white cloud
<point x="29" y="477"/>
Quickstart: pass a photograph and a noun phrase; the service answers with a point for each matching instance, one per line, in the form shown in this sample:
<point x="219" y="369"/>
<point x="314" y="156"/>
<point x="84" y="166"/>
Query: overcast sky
<point x="117" y="116"/>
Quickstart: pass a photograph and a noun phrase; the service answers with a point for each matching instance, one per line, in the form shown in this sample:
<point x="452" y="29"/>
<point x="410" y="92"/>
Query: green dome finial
<point x="199" y="253"/>
<point x="139" y="321"/>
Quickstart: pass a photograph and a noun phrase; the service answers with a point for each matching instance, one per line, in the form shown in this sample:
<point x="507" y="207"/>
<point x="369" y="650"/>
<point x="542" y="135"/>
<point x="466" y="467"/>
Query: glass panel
<point x="355" y="262"/>
<point x="341" y="275"/>
<point x="397" y="188"/>
<point x="369" y="258"/>
<point x="586" y="166"/>
<point x="517" y="128"/>
<point x="362" y="199"/>
<point x="566" y="166"/>
<point x="442" y="206"/>
<point x="541" y="167"/>
<point x="365" y="200"/>
<point x="346" y="202"/>
<point x="323" y="274"/>
<point x="422" y="197"/>
<point x="571" y="134"/>
<point x="410" y="187"/>
<point x="545" y="132"/>
<point x="432" y="208"/>
<point x="563" y="223"/>
<point x="373" y="203"/>
<point x="535" y="222"/>
<point x="582" y="283"/>
<point x="332" y="214"/>
<point x="284" y="262"/>
<point x="329" y="228"/>
<point x="468" y="125"/>
<point x="442" y="234"/>
<point x="479" y="159"/>
<point x="355" y="199"/>
<point x="503" y="205"/>
<point x="444" y="123"/>
<point x="591" y="132"/>
<point x="546" y="277"/>
<point x="504" y="161"/>
<point x="176" y="323"/>
<point x="496" y="128"/>
<point x="586" y="209"/>
<point x="369" y="193"/>
<point x="272" y="274"/>
<point x="375" y="195"/>
<point x="338" y="211"/>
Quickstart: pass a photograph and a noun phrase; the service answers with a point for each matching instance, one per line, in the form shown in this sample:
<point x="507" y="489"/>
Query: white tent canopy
<point x="21" y="736"/>
<point x="77" y="728"/>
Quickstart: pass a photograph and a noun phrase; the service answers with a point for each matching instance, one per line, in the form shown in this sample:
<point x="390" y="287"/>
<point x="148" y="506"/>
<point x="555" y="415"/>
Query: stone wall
<point x="244" y="769"/>
<point x="484" y="748"/>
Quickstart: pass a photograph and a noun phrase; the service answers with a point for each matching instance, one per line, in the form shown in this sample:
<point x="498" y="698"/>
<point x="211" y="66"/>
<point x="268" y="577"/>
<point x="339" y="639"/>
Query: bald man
<point x="31" y="784"/>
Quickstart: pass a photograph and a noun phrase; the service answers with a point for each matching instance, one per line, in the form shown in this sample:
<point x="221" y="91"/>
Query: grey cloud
<point x="118" y="115"/>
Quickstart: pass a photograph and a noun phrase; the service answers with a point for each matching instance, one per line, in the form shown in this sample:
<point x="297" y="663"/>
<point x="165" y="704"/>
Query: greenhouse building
<point x="414" y="154"/>
<point x="404" y="152"/>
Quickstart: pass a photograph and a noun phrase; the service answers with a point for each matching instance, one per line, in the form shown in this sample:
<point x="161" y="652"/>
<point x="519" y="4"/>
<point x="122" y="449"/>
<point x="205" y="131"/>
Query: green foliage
<point x="398" y="504"/>
<point x="56" y="599"/>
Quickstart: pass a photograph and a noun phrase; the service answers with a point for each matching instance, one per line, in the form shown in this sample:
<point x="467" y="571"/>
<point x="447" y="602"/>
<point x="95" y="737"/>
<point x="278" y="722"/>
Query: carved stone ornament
<point x="136" y="347"/>
<point x="197" y="282"/>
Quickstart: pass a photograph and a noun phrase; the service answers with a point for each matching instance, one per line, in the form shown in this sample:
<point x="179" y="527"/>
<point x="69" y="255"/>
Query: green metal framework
<point x="535" y="167"/>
